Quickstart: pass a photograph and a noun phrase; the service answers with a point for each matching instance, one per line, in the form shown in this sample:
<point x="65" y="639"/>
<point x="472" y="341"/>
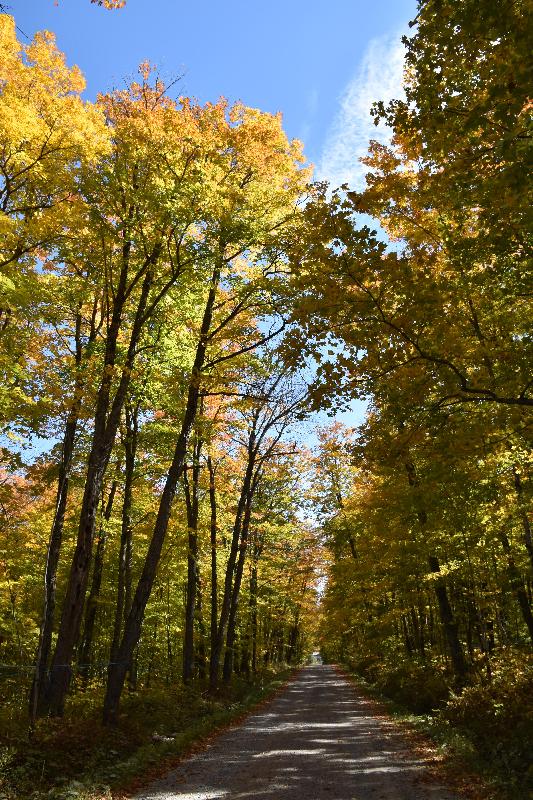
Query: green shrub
<point x="419" y="687"/>
<point x="367" y="666"/>
<point x="498" y="718"/>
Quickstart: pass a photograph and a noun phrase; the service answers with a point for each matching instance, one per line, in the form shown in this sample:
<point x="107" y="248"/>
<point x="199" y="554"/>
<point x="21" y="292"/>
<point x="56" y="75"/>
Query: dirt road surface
<point x="317" y="740"/>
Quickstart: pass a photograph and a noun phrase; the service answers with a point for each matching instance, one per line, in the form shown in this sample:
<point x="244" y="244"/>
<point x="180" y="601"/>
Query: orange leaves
<point x="110" y="4"/>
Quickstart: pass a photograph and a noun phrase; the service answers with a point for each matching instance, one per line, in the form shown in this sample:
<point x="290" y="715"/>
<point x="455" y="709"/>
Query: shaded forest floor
<point x="77" y="758"/>
<point x="496" y="766"/>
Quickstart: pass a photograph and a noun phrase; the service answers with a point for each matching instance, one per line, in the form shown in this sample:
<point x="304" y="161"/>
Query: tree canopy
<point x="177" y="297"/>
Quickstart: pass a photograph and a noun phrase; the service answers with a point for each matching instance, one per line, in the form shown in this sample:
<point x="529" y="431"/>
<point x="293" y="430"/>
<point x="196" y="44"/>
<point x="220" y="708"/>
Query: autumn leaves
<point x="170" y="281"/>
<point x="435" y="330"/>
<point x="147" y="240"/>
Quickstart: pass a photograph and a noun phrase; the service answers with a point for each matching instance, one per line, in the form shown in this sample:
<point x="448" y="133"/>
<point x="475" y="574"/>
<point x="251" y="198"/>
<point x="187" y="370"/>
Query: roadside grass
<point x="77" y="758"/>
<point x="477" y="773"/>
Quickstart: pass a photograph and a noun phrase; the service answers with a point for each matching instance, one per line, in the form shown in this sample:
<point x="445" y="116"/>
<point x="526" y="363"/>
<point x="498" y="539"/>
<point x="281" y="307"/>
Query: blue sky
<point x="300" y="57"/>
<point x="320" y="64"/>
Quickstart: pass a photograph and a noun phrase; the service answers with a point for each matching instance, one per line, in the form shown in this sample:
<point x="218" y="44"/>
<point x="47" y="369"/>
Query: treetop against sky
<point x="321" y="67"/>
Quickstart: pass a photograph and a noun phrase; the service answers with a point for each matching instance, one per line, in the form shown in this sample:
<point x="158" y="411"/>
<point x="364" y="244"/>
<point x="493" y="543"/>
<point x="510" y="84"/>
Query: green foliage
<point x="80" y="759"/>
<point x="497" y="717"/>
<point x="483" y="734"/>
<point x="419" y="687"/>
<point x="152" y="253"/>
<point x="429" y="583"/>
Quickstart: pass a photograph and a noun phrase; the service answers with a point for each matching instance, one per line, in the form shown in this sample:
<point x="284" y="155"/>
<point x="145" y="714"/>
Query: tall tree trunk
<point x="84" y="659"/>
<point x="107" y="419"/>
<point x="517" y="584"/>
<point x="191" y="502"/>
<point x="293" y="640"/>
<point x="133" y="625"/>
<point x="449" y="624"/>
<point x="418" y="631"/>
<point x="526" y="526"/>
<point x="249" y="649"/>
<point x="447" y="619"/>
<point x="216" y="650"/>
<point x="126" y="530"/>
<point x="232" y="616"/>
<point x="213" y="541"/>
<point x="201" y="654"/>
<point x="170" y="654"/>
<point x="40" y="680"/>
<point x="253" y="621"/>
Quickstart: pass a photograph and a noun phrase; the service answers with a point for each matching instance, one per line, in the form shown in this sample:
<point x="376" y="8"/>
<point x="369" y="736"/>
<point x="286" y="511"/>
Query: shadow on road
<point x="316" y="740"/>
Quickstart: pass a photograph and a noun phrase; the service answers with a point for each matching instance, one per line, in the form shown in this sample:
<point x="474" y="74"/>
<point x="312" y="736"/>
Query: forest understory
<point x="480" y="739"/>
<point x="80" y="758"/>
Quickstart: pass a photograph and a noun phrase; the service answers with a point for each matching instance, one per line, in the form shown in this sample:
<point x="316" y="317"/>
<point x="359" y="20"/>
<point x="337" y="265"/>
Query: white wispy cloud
<point x="378" y="77"/>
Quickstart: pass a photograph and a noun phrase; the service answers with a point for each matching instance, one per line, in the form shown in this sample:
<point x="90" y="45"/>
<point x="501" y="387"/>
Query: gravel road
<point x="317" y="739"/>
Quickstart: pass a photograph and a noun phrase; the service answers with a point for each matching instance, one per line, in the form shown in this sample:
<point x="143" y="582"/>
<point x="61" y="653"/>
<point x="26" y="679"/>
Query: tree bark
<point x="213" y="541"/>
<point x="126" y="531"/>
<point x="84" y="659"/>
<point x="216" y="650"/>
<point x="526" y="526"/>
<point x="191" y="502"/>
<point x="201" y="655"/>
<point x="448" y="622"/>
<point x="107" y="419"/>
<point x="232" y="616"/>
<point x="517" y="584"/>
<point x="254" y="627"/>
<point x="40" y="681"/>
<point x="133" y="625"/>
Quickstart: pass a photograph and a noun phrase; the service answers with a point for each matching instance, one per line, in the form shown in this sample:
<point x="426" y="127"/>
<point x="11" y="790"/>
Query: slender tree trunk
<point x="126" y="531"/>
<point x="253" y="621"/>
<point x="213" y="541"/>
<point x="153" y="651"/>
<point x="407" y="636"/>
<point x="448" y="622"/>
<point x="191" y="502"/>
<point x="249" y="649"/>
<point x="216" y="650"/>
<point x="107" y="419"/>
<point x="133" y="625"/>
<point x="201" y="655"/>
<point x="517" y="584"/>
<point x="229" y="654"/>
<point x="84" y="659"/>
<point x="170" y="655"/>
<point x="418" y="631"/>
<point x="526" y="526"/>
<point x="292" y="643"/>
<point x="40" y="681"/>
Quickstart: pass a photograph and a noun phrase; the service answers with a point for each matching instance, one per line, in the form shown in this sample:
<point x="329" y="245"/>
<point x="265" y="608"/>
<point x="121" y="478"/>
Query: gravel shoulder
<point x="317" y="739"/>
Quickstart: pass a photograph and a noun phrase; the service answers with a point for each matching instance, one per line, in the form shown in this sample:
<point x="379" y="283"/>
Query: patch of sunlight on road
<point x="299" y="726"/>
<point x="289" y="752"/>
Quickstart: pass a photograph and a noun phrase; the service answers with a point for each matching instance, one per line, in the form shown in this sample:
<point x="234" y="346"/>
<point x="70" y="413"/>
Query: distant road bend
<point x="317" y="739"/>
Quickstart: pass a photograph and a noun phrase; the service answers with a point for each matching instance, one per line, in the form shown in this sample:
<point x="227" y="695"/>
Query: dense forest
<point x="178" y="298"/>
